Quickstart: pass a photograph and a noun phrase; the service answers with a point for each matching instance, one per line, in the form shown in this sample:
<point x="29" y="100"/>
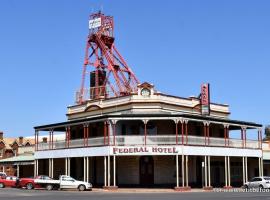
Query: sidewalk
<point x="147" y="190"/>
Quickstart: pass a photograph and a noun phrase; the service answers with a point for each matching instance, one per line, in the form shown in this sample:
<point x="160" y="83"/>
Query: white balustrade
<point x="133" y="140"/>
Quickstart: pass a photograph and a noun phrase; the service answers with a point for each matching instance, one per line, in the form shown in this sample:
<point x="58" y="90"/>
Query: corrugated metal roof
<point x="20" y="158"/>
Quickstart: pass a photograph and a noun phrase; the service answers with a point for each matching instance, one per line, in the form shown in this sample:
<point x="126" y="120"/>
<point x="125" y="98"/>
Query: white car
<point x="64" y="182"/>
<point x="261" y="182"/>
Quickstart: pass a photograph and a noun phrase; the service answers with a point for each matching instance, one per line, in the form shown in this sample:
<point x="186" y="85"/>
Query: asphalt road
<point x="21" y="194"/>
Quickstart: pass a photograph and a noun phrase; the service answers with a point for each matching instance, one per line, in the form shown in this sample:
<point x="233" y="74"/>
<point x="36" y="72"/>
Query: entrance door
<point x="146" y="171"/>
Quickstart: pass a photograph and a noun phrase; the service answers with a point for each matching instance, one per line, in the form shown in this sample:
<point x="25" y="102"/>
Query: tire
<point x="261" y="187"/>
<point x="2" y="185"/>
<point x="245" y="187"/>
<point x="81" y="187"/>
<point x="29" y="186"/>
<point x="49" y="187"/>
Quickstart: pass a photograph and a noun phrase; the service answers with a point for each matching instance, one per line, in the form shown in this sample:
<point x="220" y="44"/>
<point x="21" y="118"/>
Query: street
<point x="21" y="194"/>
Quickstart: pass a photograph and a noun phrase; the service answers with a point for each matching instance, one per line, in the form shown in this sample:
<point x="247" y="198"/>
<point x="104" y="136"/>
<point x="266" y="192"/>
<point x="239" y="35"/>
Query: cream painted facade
<point x="153" y="140"/>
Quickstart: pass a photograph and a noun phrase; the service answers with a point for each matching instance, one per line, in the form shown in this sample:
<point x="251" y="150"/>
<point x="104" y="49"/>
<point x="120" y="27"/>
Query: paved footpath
<point x="126" y="194"/>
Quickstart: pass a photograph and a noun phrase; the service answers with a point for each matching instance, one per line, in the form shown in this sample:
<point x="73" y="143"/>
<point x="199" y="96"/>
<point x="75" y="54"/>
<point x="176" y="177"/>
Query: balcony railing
<point x="133" y="140"/>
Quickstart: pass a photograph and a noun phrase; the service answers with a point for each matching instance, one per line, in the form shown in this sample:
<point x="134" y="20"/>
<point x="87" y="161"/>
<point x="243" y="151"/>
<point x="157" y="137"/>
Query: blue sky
<point x="175" y="45"/>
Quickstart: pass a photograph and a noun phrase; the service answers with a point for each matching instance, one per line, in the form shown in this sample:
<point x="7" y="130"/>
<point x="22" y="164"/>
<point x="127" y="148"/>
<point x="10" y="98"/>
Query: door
<point x="146" y="171"/>
<point x="67" y="182"/>
<point x="10" y="182"/>
<point x="255" y="182"/>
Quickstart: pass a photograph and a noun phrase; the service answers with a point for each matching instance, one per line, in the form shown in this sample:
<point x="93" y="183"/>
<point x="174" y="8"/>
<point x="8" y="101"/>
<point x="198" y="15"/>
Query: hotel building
<point x="151" y="139"/>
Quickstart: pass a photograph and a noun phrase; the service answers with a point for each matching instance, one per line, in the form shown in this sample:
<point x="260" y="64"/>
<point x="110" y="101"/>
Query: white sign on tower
<point x="94" y="23"/>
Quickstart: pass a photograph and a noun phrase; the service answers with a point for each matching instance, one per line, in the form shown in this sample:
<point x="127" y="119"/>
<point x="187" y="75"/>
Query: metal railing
<point x="133" y="140"/>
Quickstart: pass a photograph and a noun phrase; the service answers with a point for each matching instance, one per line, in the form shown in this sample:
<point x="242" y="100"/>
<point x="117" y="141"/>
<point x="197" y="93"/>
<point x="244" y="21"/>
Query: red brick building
<point x="9" y="148"/>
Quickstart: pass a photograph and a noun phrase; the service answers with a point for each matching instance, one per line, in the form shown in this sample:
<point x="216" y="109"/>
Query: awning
<point x="18" y="160"/>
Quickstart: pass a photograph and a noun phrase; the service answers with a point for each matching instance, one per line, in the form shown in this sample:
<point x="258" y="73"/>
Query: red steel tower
<point x="104" y="68"/>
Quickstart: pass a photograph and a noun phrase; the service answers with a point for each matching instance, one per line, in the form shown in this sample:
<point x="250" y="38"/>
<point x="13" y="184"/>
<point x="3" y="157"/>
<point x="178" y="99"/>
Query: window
<point x="256" y="179"/>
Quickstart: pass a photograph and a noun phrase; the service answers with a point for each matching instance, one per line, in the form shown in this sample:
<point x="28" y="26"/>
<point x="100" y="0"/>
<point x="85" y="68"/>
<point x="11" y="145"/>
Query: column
<point x="225" y="135"/>
<point x="244" y="169"/>
<point x="182" y="132"/>
<point x="186" y="130"/>
<point x="52" y="139"/>
<point x="209" y="172"/>
<point x="187" y="171"/>
<point x="66" y="166"/>
<point x="36" y="140"/>
<point x="183" y="171"/>
<point x="262" y="172"/>
<point x="49" y="167"/>
<point x="87" y="169"/>
<point x="176" y="131"/>
<point x="261" y="139"/>
<point x="114" y="131"/>
<point x="37" y="168"/>
<point x="205" y="172"/>
<point x="87" y="135"/>
<point x="229" y="171"/>
<point x="18" y="171"/>
<point x="226" y="174"/>
<point x="259" y="168"/>
<point x="52" y="167"/>
<point x="84" y="136"/>
<point x="145" y="130"/>
<point x="105" y="131"/>
<point x="228" y="135"/>
<point x="84" y="169"/>
<point x="67" y="137"/>
<point x="245" y="135"/>
<point x="177" y="172"/>
<point x="109" y="171"/>
<point x="114" y="172"/>
<point x="204" y="132"/>
<point x="3" y="168"/>
<point x="105" y="171"/>
<point x="242" y="137"/>
<point x="208" y="133"/>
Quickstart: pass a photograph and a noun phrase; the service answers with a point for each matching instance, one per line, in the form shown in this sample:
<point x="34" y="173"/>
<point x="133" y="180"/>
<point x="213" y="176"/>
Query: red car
<point x="29" y="183"/>
<point x="9" y="181"/>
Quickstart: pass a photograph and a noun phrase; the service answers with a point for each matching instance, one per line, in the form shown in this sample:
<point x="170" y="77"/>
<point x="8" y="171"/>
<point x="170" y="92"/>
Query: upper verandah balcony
<point x="145" y="130"/>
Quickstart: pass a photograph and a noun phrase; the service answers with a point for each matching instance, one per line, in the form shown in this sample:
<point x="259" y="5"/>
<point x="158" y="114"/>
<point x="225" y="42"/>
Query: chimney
<point x="21" y="140"/>
<point x="1" y="135"/>
<point x="44" y="140"/>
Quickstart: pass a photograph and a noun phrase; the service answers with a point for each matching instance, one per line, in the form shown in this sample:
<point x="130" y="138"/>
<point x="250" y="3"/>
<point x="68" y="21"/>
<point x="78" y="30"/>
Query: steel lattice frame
<point x="102" y="54"/>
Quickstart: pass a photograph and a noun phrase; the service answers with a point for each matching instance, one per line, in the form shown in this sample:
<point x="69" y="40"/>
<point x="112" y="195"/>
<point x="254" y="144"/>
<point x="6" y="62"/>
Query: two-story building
<point x="15" y="152"/>
<point x="150" y="139"/>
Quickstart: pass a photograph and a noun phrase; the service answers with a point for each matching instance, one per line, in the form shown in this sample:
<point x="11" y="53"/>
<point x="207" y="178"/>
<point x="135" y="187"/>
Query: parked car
<point x="64" y="182"/>
<point x="258" y="182"/>
<point x="9" y="181"/>
<point x="29" y="183"/>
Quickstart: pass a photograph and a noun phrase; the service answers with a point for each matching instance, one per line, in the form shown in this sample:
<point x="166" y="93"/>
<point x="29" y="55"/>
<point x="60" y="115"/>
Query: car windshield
<point x="267" y="178"/>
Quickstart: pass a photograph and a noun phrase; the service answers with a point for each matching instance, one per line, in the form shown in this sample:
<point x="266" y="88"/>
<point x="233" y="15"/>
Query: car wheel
<point x="49" y="187"/>
<point x="2" y="185"/>
<point x="245" y="187"/>
<point x="261" y="187"/>
<point x="81" y="188"/>
<point x="29" y="186"/>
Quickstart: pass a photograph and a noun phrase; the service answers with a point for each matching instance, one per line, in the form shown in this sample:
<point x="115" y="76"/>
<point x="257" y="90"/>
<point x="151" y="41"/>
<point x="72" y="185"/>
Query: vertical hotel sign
<point x="205" y="99"/>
